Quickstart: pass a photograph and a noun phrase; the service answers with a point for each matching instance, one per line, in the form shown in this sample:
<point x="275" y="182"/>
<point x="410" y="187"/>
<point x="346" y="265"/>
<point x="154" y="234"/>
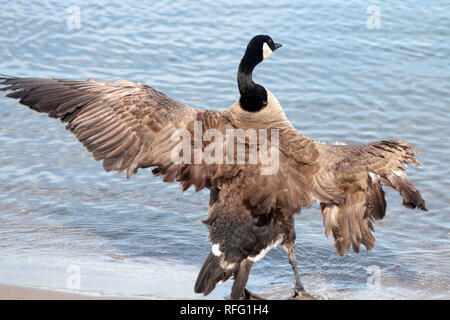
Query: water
<point x="337" y="78"/>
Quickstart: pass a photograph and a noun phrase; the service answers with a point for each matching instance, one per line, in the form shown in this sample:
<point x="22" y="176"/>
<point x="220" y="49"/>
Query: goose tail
<point x="210" y="274"/>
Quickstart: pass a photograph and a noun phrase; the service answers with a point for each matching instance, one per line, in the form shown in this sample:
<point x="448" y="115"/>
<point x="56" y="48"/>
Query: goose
<point x="130" y="125"/>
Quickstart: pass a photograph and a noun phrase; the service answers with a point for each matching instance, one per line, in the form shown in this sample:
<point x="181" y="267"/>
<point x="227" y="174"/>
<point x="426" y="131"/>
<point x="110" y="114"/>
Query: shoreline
<point x="14" y="292"/>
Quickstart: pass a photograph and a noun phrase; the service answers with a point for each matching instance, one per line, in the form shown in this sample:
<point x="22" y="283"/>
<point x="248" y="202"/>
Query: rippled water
<point x="338" y="79"/>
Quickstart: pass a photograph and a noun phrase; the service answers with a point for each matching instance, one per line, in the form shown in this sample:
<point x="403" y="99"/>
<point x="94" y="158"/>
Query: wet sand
<point x="11" y="292"/>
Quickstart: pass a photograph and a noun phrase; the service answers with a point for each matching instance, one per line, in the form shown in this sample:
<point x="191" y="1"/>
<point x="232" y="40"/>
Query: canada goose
<point x="130" y="125"/>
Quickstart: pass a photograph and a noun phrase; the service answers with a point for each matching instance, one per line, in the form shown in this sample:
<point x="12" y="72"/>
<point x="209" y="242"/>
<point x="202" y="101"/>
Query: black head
<point x="253" y="96"/>
<point x="259" y="49"/>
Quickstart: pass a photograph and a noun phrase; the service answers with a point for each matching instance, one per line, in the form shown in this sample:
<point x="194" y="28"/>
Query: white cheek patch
<point x="215" y="250"/>
<point x="266" y="51"/>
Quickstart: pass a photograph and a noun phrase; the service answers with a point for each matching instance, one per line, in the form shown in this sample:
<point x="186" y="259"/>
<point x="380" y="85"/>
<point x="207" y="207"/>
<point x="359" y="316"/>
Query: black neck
<point x="253" y="96"/>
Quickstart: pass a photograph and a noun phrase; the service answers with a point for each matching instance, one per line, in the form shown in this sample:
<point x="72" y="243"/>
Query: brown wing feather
<point x="354" y="197"/>
<point x="127" y="125"/>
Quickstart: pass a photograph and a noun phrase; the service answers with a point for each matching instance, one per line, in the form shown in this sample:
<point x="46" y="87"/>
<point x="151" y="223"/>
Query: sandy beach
<point x="11" y="292"/>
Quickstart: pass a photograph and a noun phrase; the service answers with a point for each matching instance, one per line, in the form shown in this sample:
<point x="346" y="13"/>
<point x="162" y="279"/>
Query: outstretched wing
<point x="357" y="174"/>
<point x="128" y="125"/>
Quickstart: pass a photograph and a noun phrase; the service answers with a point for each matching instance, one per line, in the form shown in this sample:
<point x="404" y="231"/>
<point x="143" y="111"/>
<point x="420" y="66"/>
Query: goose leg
<point x="290" y="249"/>
<point x="247" y="295"/>
<point x="240" y="279"/>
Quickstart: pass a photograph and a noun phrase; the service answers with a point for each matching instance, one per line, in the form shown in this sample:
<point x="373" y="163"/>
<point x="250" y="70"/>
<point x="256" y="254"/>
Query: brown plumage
<point x="358" y="173"/>
<point x="130" y="125"/>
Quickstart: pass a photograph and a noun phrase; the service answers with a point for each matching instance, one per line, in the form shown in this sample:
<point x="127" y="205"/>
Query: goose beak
<point x="277" y="45"/>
